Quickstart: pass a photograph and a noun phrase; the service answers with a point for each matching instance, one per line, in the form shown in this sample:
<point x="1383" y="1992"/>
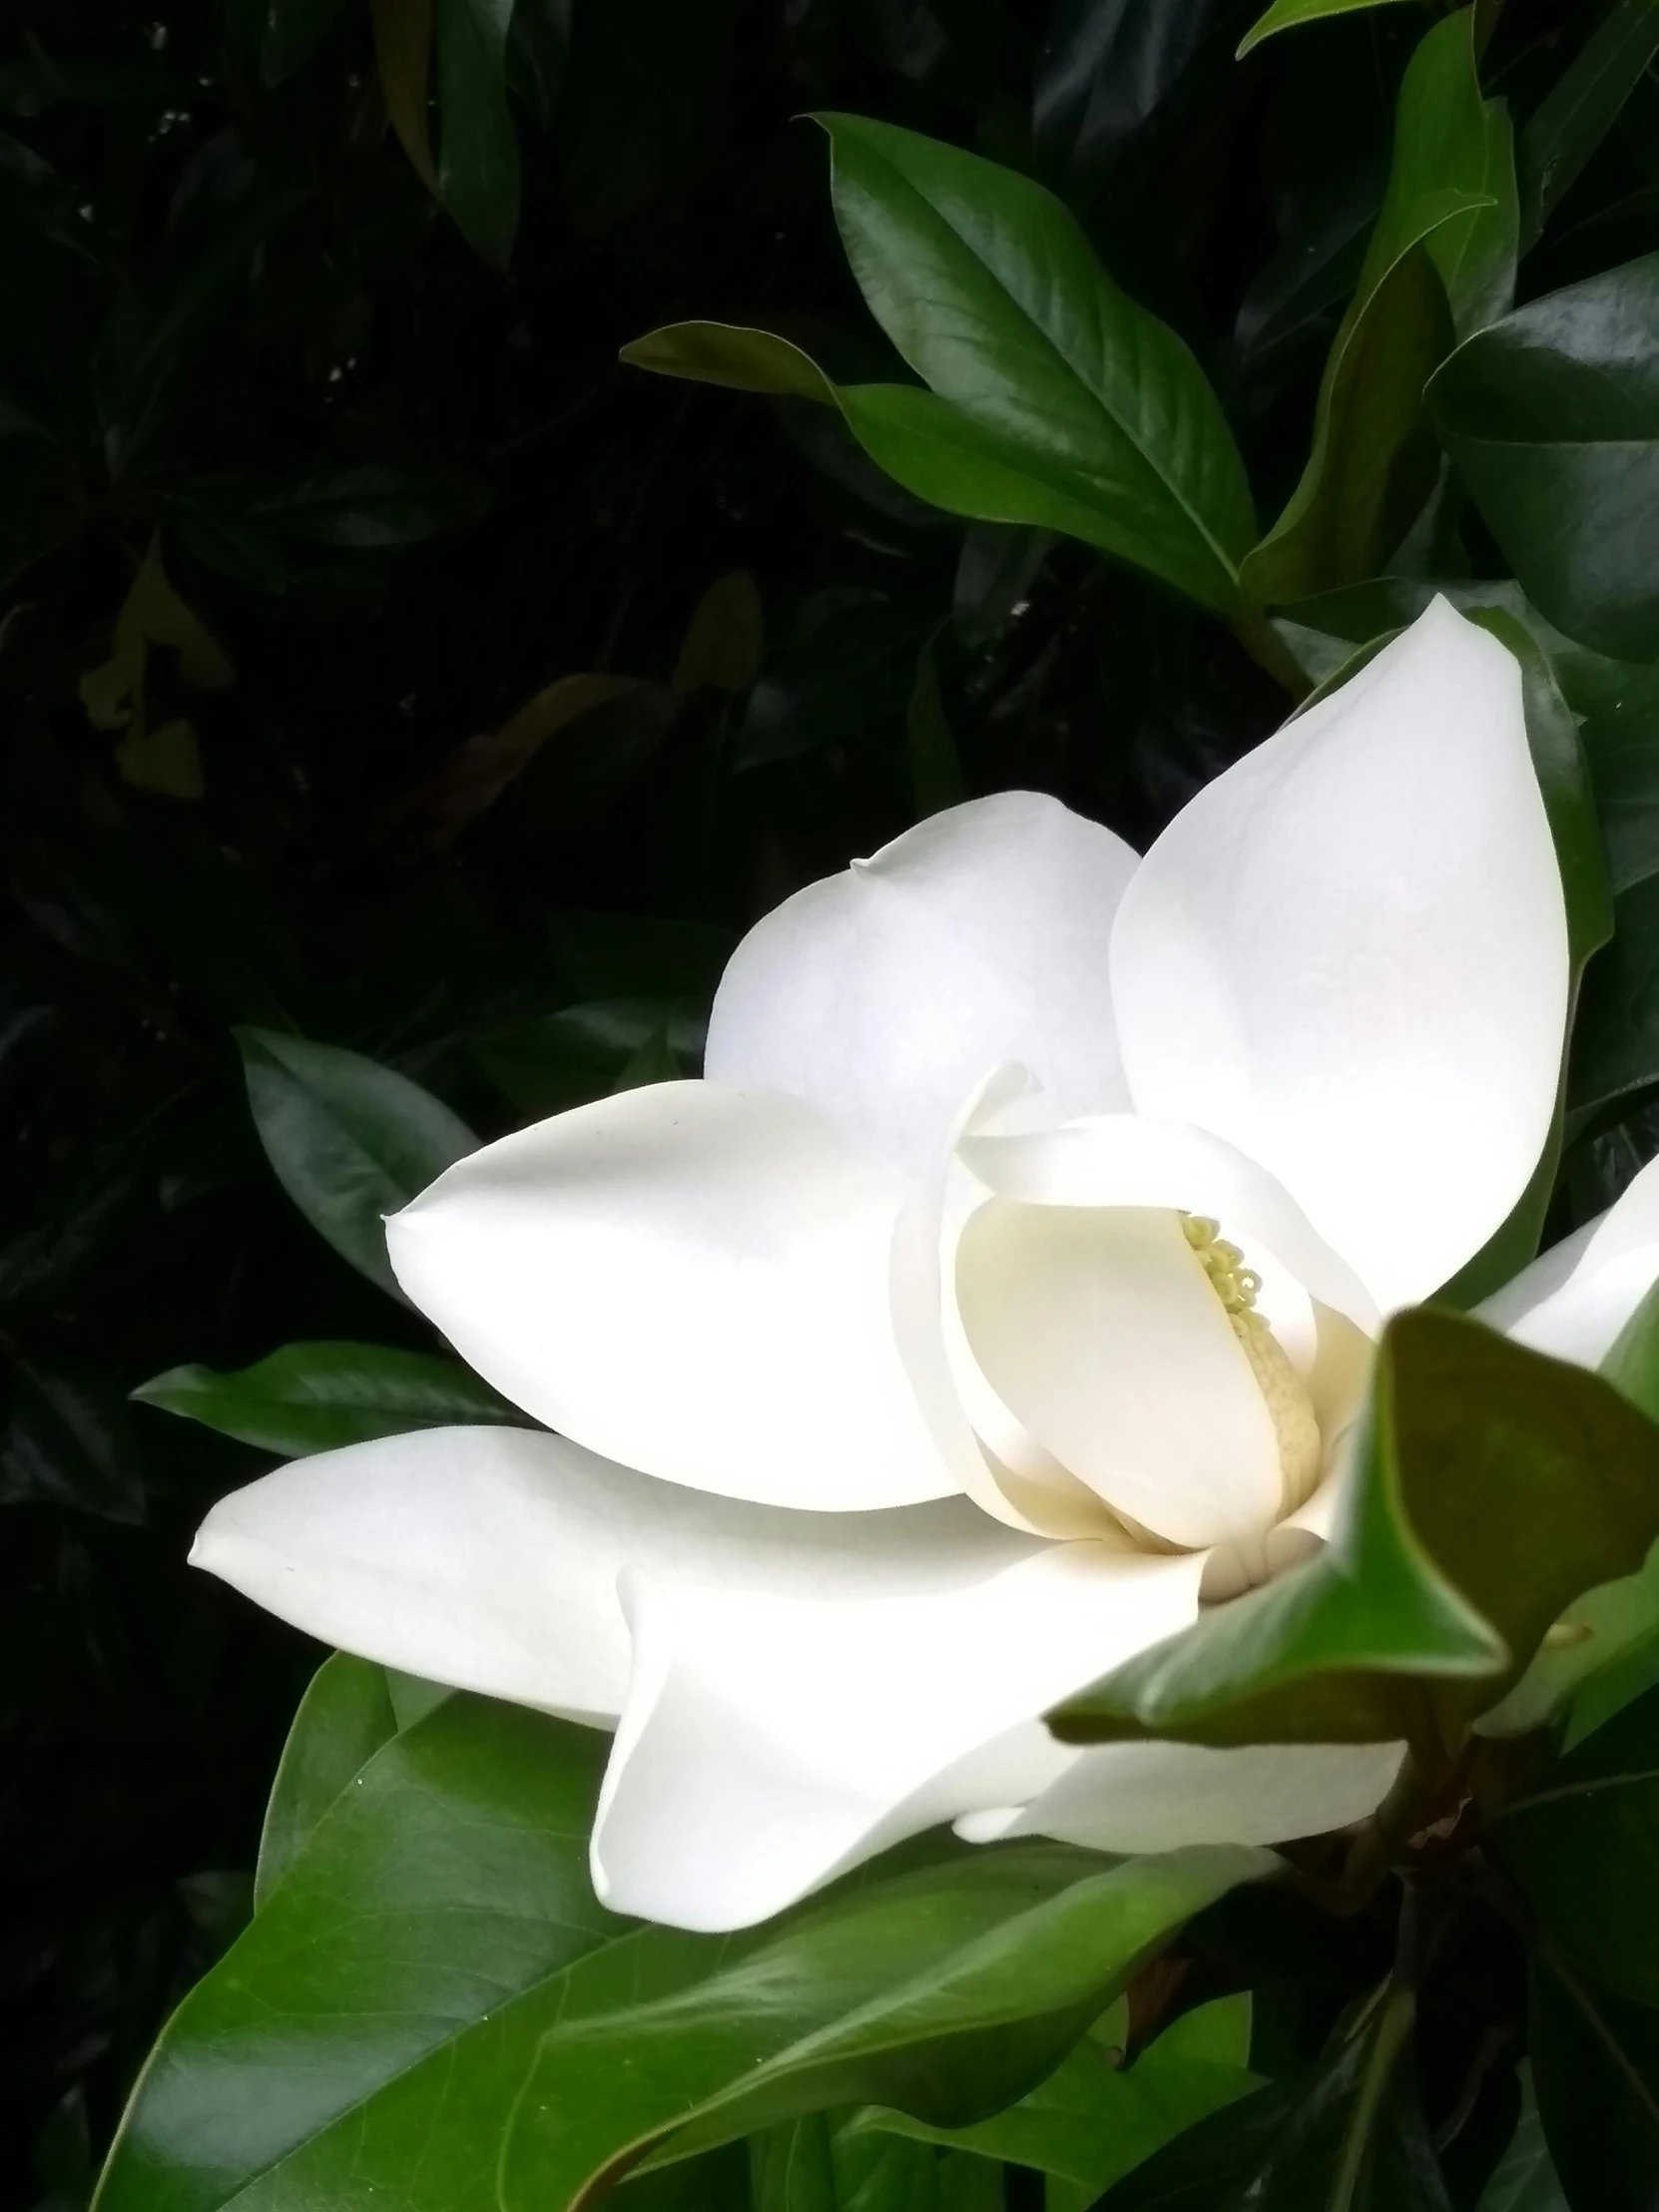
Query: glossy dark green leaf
<point x="1615" y="1050"/>
<point x="351" y="1141"/>
<point x="941" y="452"/>
<point x="344" y="1718"/>
<point x="1372" y="462"/>
<point x="1345" y="2136"/>
<point x="1449" y="134"/>
<point x="1581" y="1846"/>
<point x="371" y="509"/>
<point x="1493" y="1487"/>
<point x="820" y="2164"/>
<point x="478" y="180"/>
<point x="1604" y="1651"/>
<point x="947" y="1992"/>
<point x="365" y="2036"/>
<point x="1618" y="707"/>
<point x="1095" y="2118"/>
<point x="1582" y="106"/>
<point x="1551" y="418"/>
<point x="732" y="355"/>
<point x="316" y="1397"/>
<point x="1289" y="15"/>
<point x="1595" y="2067"/>
<point x="1524" y="2178"/>
<point x="989" y="290"/>
<point x="564" y="1059"/>
<point x="435" y="1935"/>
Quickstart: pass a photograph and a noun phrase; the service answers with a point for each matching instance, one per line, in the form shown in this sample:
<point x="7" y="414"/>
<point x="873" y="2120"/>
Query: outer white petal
<point x="1132" y="1160"/>
<point x="689" y="1280"/>
<point x="1158" y="1796"/>
<point x="1348" y="955"/>
<point x="1100" y="1331"/>
<point x="886" y="993"/>
<point x="1574" y="1299"/>
<point x="488" y="1558"/>
<point x="768" y="1744"/>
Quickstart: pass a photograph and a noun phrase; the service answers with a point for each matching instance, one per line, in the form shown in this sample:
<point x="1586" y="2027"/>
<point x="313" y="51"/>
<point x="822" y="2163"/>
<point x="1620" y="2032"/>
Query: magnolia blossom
<point x="1002" y="1294"/>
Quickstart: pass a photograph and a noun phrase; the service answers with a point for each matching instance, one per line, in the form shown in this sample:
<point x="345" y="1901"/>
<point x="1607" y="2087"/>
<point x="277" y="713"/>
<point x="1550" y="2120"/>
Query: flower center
<point x="1289" y="1407"/>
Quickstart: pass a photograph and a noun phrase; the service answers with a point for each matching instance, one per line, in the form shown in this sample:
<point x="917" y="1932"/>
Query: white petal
<point x="1348" y="955"/>
<point x="884" y="995"/>
<point x="1574" y="1299"/>
<point x="1134" y="1160"/>
<point x="1100" y="1330"/>
<point x="488" y="1558"/>
<point x="1159" y="1797"/>
<point x="690" y="1281"/>
<point x="995" y="1460"/>
<point x="768" y="1744"/>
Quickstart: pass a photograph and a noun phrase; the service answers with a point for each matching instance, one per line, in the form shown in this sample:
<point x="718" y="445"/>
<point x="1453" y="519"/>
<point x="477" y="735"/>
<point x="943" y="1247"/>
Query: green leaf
<point x="1582" y="106"/>
<point x="1604" y="1651"/>
<point x="1524" y="2178"/>
<point x="366" y="2038"/>
<point x="1345" y="2136"/>
<point x="351" y="1141"/>
<point x="1595" y="2066"/>
<point x="1373" y="465"/>
<point x="728" y="354"/>
<point x="314" y="1396"/>
<point x="1094" y="2119"/>
<point x="820" y="2164"/>
<point x="1288" y="15"/>
<point x="344" y="1717"/>
<point x="1581" y="1846"/>
<point x="1494" y="1487"/>
<point x="947" y="1992"/>
<point x="564" y="1059"/>
<point x="1448" y="135"/>
<point x="1551" y="418"/>
<point x="989" y="290"/>
<point x="478" y="151"/>
<point x="936" y="450"/>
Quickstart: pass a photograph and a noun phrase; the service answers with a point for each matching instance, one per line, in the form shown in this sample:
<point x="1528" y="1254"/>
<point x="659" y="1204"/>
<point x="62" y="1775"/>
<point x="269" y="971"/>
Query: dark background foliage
<point x="403" y="482"/>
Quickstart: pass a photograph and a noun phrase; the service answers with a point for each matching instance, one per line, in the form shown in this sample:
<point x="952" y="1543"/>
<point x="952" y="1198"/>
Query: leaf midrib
<point x="1048" y="344"/>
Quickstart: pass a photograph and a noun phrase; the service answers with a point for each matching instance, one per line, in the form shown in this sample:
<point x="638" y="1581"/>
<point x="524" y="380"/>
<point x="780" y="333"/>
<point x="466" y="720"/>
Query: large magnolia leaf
<point x="1372" y="464"/>
<point x="351" y="1141"/>
<point x="314" y="1398"/>
<point x="1582" y="1849"/>
<point x="1492" y="1488"/>
<point x="1551" y="418"/>
<point x="988" y="288"/>
<point x="1595" y="2065"/>
<point x="428" y="1939"/>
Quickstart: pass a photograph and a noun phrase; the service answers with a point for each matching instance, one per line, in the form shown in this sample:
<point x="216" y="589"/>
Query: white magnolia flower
<point x="899" y="1397"/>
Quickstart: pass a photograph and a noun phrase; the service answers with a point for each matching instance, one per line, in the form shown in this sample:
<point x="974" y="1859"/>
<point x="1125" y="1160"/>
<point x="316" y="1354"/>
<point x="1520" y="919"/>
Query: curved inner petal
<point x="690" y="1280"/>
<point x="883" y="993"/>
<point x="1101" y="1331"/>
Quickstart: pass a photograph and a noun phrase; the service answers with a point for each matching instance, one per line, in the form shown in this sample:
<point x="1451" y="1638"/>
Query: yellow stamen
<point x="1289" y="1406"/>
